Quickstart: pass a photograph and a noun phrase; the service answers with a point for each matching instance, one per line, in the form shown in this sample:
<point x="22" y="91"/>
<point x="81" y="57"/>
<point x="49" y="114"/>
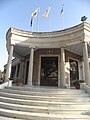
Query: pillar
<point x="30" y="74"/>
<point x="21" y="74"/>
<point x="16" y="73"/>
<point x="9" y="63"/>
<point x="62" y="81"/>
<point x="86" y="63"/>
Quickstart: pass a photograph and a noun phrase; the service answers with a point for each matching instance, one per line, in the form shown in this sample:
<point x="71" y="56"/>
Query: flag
<point x="62" y="9"/>
<point x="31" y="22"/>
<point x="45" y="15"/>
<point x="34" y="15"/>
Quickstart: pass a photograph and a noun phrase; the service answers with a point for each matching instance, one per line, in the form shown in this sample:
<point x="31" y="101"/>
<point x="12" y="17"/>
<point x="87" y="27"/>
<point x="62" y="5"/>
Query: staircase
<point x="44" y="103"/>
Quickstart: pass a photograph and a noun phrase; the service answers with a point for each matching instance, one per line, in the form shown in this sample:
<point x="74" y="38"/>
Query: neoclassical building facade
<point x="56" y="58"/>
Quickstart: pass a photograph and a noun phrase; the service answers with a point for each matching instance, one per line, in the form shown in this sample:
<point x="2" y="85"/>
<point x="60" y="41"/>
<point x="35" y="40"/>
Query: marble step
<point x="43" y="116"/>
<point x="45" y="98"/>
<point x="52" y="90"/>
<point x="45" y="109"/>
<point x="8" y="118"/>
<point x="44" y="103"/>
<point x="43" y="93"/>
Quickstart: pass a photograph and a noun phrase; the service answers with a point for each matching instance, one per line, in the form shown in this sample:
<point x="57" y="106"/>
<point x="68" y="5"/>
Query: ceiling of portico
<point x="25" y="50"/>
<point x="78" y="49"/>
<point x="20" y="51"/>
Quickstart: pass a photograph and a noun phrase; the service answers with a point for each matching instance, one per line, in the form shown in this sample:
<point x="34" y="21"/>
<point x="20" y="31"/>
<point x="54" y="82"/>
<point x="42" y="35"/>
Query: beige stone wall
<point x="57" y="51"/>
<point x="72" y="55"/>
<point x="53" y="52"/>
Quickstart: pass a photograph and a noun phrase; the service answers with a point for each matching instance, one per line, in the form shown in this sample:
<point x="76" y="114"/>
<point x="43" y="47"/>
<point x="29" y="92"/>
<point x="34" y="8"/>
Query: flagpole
<point x="46" y="15"/>
<point x="62" y="21"/>
<point x="50" y="21"/>
<point x="32" y="25"/>
<point x="37" y="25"/>
<point x="38" y="21"/>
<point x="62" y="17"/>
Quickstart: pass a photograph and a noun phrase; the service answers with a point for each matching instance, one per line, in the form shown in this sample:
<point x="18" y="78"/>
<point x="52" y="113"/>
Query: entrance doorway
<point x="49" y="71"/>
<point x="74" y="75"/>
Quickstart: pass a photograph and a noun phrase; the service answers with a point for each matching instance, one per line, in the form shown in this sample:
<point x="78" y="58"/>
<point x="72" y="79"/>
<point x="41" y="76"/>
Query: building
<point x="49" y="58"/>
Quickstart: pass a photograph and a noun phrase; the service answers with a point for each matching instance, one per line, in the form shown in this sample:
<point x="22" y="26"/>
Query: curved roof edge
<point x="47" y="34"/>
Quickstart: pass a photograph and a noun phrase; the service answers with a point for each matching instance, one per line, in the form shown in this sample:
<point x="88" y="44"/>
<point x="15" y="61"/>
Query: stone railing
<point x="85" y="87"/>
<point x="6" y="84"/>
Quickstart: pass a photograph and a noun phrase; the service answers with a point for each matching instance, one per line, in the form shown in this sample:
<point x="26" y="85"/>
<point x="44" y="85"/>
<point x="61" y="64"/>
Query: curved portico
<point x="60" y="47"/>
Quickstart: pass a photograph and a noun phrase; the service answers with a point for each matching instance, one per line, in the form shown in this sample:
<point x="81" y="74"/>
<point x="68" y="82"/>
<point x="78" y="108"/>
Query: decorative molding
<point x="49" y="51"/>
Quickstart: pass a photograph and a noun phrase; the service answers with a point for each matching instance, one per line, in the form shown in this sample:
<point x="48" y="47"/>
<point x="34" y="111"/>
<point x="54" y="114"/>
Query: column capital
<point x="12" y="45"/>
<point x="22" y="60"/>
<point x="32" y="47"/>
<point x="62" y="46"/>
<point x="86" y="41"/>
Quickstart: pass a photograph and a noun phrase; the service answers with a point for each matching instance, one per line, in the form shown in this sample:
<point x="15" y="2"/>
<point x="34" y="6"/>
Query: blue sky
<point x="17" y="14"/>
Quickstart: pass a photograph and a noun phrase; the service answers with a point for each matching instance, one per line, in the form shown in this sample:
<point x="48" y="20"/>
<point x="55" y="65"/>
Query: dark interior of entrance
<point x="49" y="71"/>
<point x="74" y="75"/>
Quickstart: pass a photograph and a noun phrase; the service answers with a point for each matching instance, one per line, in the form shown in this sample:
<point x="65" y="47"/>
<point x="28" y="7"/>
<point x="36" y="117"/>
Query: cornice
<point x="59" y="33"/>
<point x="67" y="36"/>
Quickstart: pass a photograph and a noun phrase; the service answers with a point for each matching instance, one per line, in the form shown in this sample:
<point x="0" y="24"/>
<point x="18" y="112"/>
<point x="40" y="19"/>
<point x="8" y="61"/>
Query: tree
<point x="1" y="73"/>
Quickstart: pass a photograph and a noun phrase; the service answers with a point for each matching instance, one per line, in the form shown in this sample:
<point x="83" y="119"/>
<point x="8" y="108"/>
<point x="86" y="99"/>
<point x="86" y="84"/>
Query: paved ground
<point x="4" y="118"/>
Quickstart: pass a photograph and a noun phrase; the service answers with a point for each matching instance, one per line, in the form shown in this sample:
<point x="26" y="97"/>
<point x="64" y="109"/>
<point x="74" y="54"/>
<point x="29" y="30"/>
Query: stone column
<point x="9" y="63"/>
<point x="58" y="71"/>
<point x="16" y="73"/>
<point x="30" y="74"/>
<point x="86" y="64"/>
<point x="62" y="81"/>
<point x="21" y="74"/>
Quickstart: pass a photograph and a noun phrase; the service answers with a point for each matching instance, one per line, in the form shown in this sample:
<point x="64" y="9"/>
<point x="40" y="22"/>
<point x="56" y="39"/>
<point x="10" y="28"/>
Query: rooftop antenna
<point x="83" y="18"/>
